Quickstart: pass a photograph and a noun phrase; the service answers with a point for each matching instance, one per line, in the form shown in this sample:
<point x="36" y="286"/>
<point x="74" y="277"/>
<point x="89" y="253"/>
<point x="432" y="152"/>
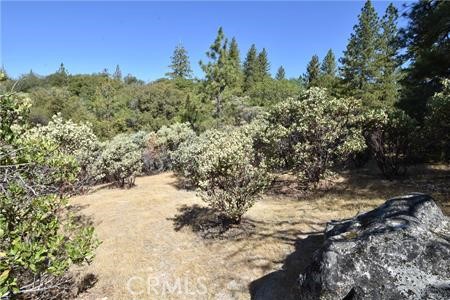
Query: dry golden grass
<point x="149" y="235"/>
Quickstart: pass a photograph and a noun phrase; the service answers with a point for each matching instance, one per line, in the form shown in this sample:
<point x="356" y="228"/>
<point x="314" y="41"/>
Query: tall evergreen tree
<point x="234" y="52"/>
<point x="62" y="70"/>
<point x="250" y="67"/>
<point x="313" y="71"/>
<point x="235" y="58"/>
<point x="328" y="66"/>
<point x="180" y="65"/>
<point x="328" y="77"/>
<point x="360" y="69"/>
<point x="427" y="43"/>
<point x="220" y="72"/>
<point x="263" y="66"/>
<point x="281" y="74"/>
<point x="388" y="58"/>
<point x="117" y="73"/>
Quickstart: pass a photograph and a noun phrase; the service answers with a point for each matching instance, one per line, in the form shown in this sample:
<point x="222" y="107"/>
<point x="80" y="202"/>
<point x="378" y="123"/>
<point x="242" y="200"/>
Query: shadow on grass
<point x="208" y="223"/>
<point x="79" y="218"/>
<point x="281" y="284"/>
<point x="86" y="282"/>
<point x="181" y="183"/>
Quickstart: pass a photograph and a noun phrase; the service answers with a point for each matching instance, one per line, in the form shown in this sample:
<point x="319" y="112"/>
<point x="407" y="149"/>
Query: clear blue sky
<point x="140" y="36"/>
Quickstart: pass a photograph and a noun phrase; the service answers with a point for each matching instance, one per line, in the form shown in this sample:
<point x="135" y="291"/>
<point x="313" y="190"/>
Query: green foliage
<point x="117" y="74"/>
<point x="328" y="73"/>
<point x="76" y="140"/>
<point x="121" y="159"/>
<point x="371" y="65"/>
<point x="222" y="164"/>
<point x="270" y="92"/>
<point x="427" y="54"/>
<point x="388" y="60"/>
<point x="170" y="137"/>
<point x="220" y="72"/>
<point x="390" y="137"/>
<point x="180" y="65"/>
<point x="250" y="67"/>
<point x="313" y="71"/>
<point x="281" y="74"/>
<point x="158" y="154"/>
<point x="187" y="158"/>
<point x="263" y="66"/>
<point x="310" y="134"/>
<point x="154" y="105"/>
<point x="437" y="123"/>
<point x="39" y="240"/>
<point x="55" y="100"/>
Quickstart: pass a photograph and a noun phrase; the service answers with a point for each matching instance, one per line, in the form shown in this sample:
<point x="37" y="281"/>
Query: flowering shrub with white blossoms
<point x="77" y="140"/>
<point x="310" y="134"/>
<point x="160" y="146"/>
<point x="121" y="160"/>
<point x="222" y="164"/>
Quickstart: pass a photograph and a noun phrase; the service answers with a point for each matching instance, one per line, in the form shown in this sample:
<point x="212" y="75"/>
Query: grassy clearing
<point x="155" y="234"/>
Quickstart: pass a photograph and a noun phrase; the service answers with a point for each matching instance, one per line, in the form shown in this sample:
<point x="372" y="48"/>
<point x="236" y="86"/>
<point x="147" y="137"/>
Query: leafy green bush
<point x="170" y="137"/>
<point x="121" y="159"/>
<point x="39" y="240"/>
<point x="77" y="140"/>
<point x="310" y="134"/>
<point x="390" y="135"/>
<point x="187" y="158"/>
<point x="222" y="164"/>
<point x="269" y="92"/>
<point x="437" y="123"/>
<point x="160" y="146"/>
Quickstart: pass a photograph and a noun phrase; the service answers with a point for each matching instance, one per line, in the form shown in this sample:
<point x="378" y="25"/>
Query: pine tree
<point x="328" y="78"/>
<point x="117" y="74"/>
<point x="427" y="46"/>
<point x="313" y="71"/>
<point x="388" y="58"/>
<point x="281" y="74"/>
<point x="328" y="66"/>
<point x="220" y="72"/>
<point x="263" y="66"/>
<point x="360" y="69"/>
<point x="180" y="65"/>
<point x="105" y="72"/>
<point x="234" y="52"/>
<point x="250" y="67"/>
<point x="235" y="58"/>
<point x="62" y="70"/>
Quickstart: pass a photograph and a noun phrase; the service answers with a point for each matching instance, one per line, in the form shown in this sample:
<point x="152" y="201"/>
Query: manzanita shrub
<point x="390" y="135"/>
<point x="222" y="165"/>
<point x="39" y="240"/>
<point x="158" y="155"/>
<point x="121" y="159"/>
<point x="310" y="134"/>
<point x="77" y="140"/>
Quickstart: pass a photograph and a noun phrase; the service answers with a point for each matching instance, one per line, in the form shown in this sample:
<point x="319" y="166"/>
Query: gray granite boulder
<point x="400" y="250"/>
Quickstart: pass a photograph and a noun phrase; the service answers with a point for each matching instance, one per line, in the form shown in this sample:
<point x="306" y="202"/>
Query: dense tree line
<point x="383" y="66"/>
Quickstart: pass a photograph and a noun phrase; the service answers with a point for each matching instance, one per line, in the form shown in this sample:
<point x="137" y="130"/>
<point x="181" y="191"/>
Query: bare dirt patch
<point x="154" y="243"/>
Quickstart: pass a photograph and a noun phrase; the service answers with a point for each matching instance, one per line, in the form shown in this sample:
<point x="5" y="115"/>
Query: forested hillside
<point x="383" y="66"/>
